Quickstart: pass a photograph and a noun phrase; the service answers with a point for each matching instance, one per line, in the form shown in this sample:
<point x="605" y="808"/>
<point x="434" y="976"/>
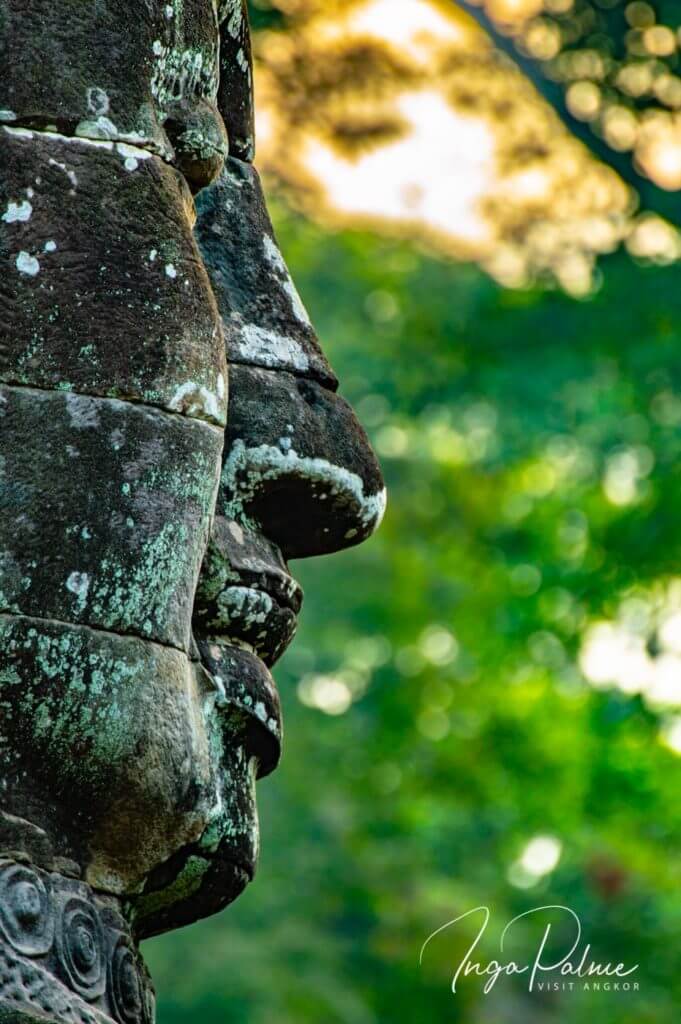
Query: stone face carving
<point x="146" y="516"/>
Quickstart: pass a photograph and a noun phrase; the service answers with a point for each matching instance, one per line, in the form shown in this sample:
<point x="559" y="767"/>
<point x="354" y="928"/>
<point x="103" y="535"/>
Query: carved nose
<point x="298" y="465"/>
<point x="298" y="462"/>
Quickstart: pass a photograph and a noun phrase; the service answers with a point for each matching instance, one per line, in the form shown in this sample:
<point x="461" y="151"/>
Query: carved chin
<point x="204" y="877"/>
<point x="167" y="761"/>
<point x="202" y="886"/>
<point x="242" y="719"/>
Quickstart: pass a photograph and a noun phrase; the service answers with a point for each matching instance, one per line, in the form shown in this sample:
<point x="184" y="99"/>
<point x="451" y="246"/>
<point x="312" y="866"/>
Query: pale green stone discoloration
<point x="136" y="597"/>
<point x="183" y="887"/>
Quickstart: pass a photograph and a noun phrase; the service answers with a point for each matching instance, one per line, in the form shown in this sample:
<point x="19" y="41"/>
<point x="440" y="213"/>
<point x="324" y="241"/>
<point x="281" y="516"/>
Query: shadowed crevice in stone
<point x="131" y="400"/>
<point x="68" y="133"/>
<point x="92" y="629"/>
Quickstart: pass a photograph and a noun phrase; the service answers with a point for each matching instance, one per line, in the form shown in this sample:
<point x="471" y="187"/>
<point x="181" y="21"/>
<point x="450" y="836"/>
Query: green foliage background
<point x="496" y="413"/>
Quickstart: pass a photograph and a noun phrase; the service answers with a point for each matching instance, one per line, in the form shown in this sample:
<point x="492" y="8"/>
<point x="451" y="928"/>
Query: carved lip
<point x="262" y="618"/>
<point x="242" y="680"/>
<point x="250" y="598"/>
<point x="279" y="586"/>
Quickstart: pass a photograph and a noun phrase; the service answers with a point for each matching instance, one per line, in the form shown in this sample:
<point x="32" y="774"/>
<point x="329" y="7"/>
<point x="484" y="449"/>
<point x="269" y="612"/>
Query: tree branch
<point x="651" y="198"/>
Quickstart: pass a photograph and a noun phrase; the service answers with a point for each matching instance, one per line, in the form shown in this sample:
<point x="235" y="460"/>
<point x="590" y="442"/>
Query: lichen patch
<point x="27" y="264"/>
<point x="265" y="347"/>
<point x="17" y="212"/>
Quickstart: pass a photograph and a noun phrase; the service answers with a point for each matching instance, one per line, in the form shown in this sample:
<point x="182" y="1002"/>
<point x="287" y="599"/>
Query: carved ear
<point x="235" y="92"/>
